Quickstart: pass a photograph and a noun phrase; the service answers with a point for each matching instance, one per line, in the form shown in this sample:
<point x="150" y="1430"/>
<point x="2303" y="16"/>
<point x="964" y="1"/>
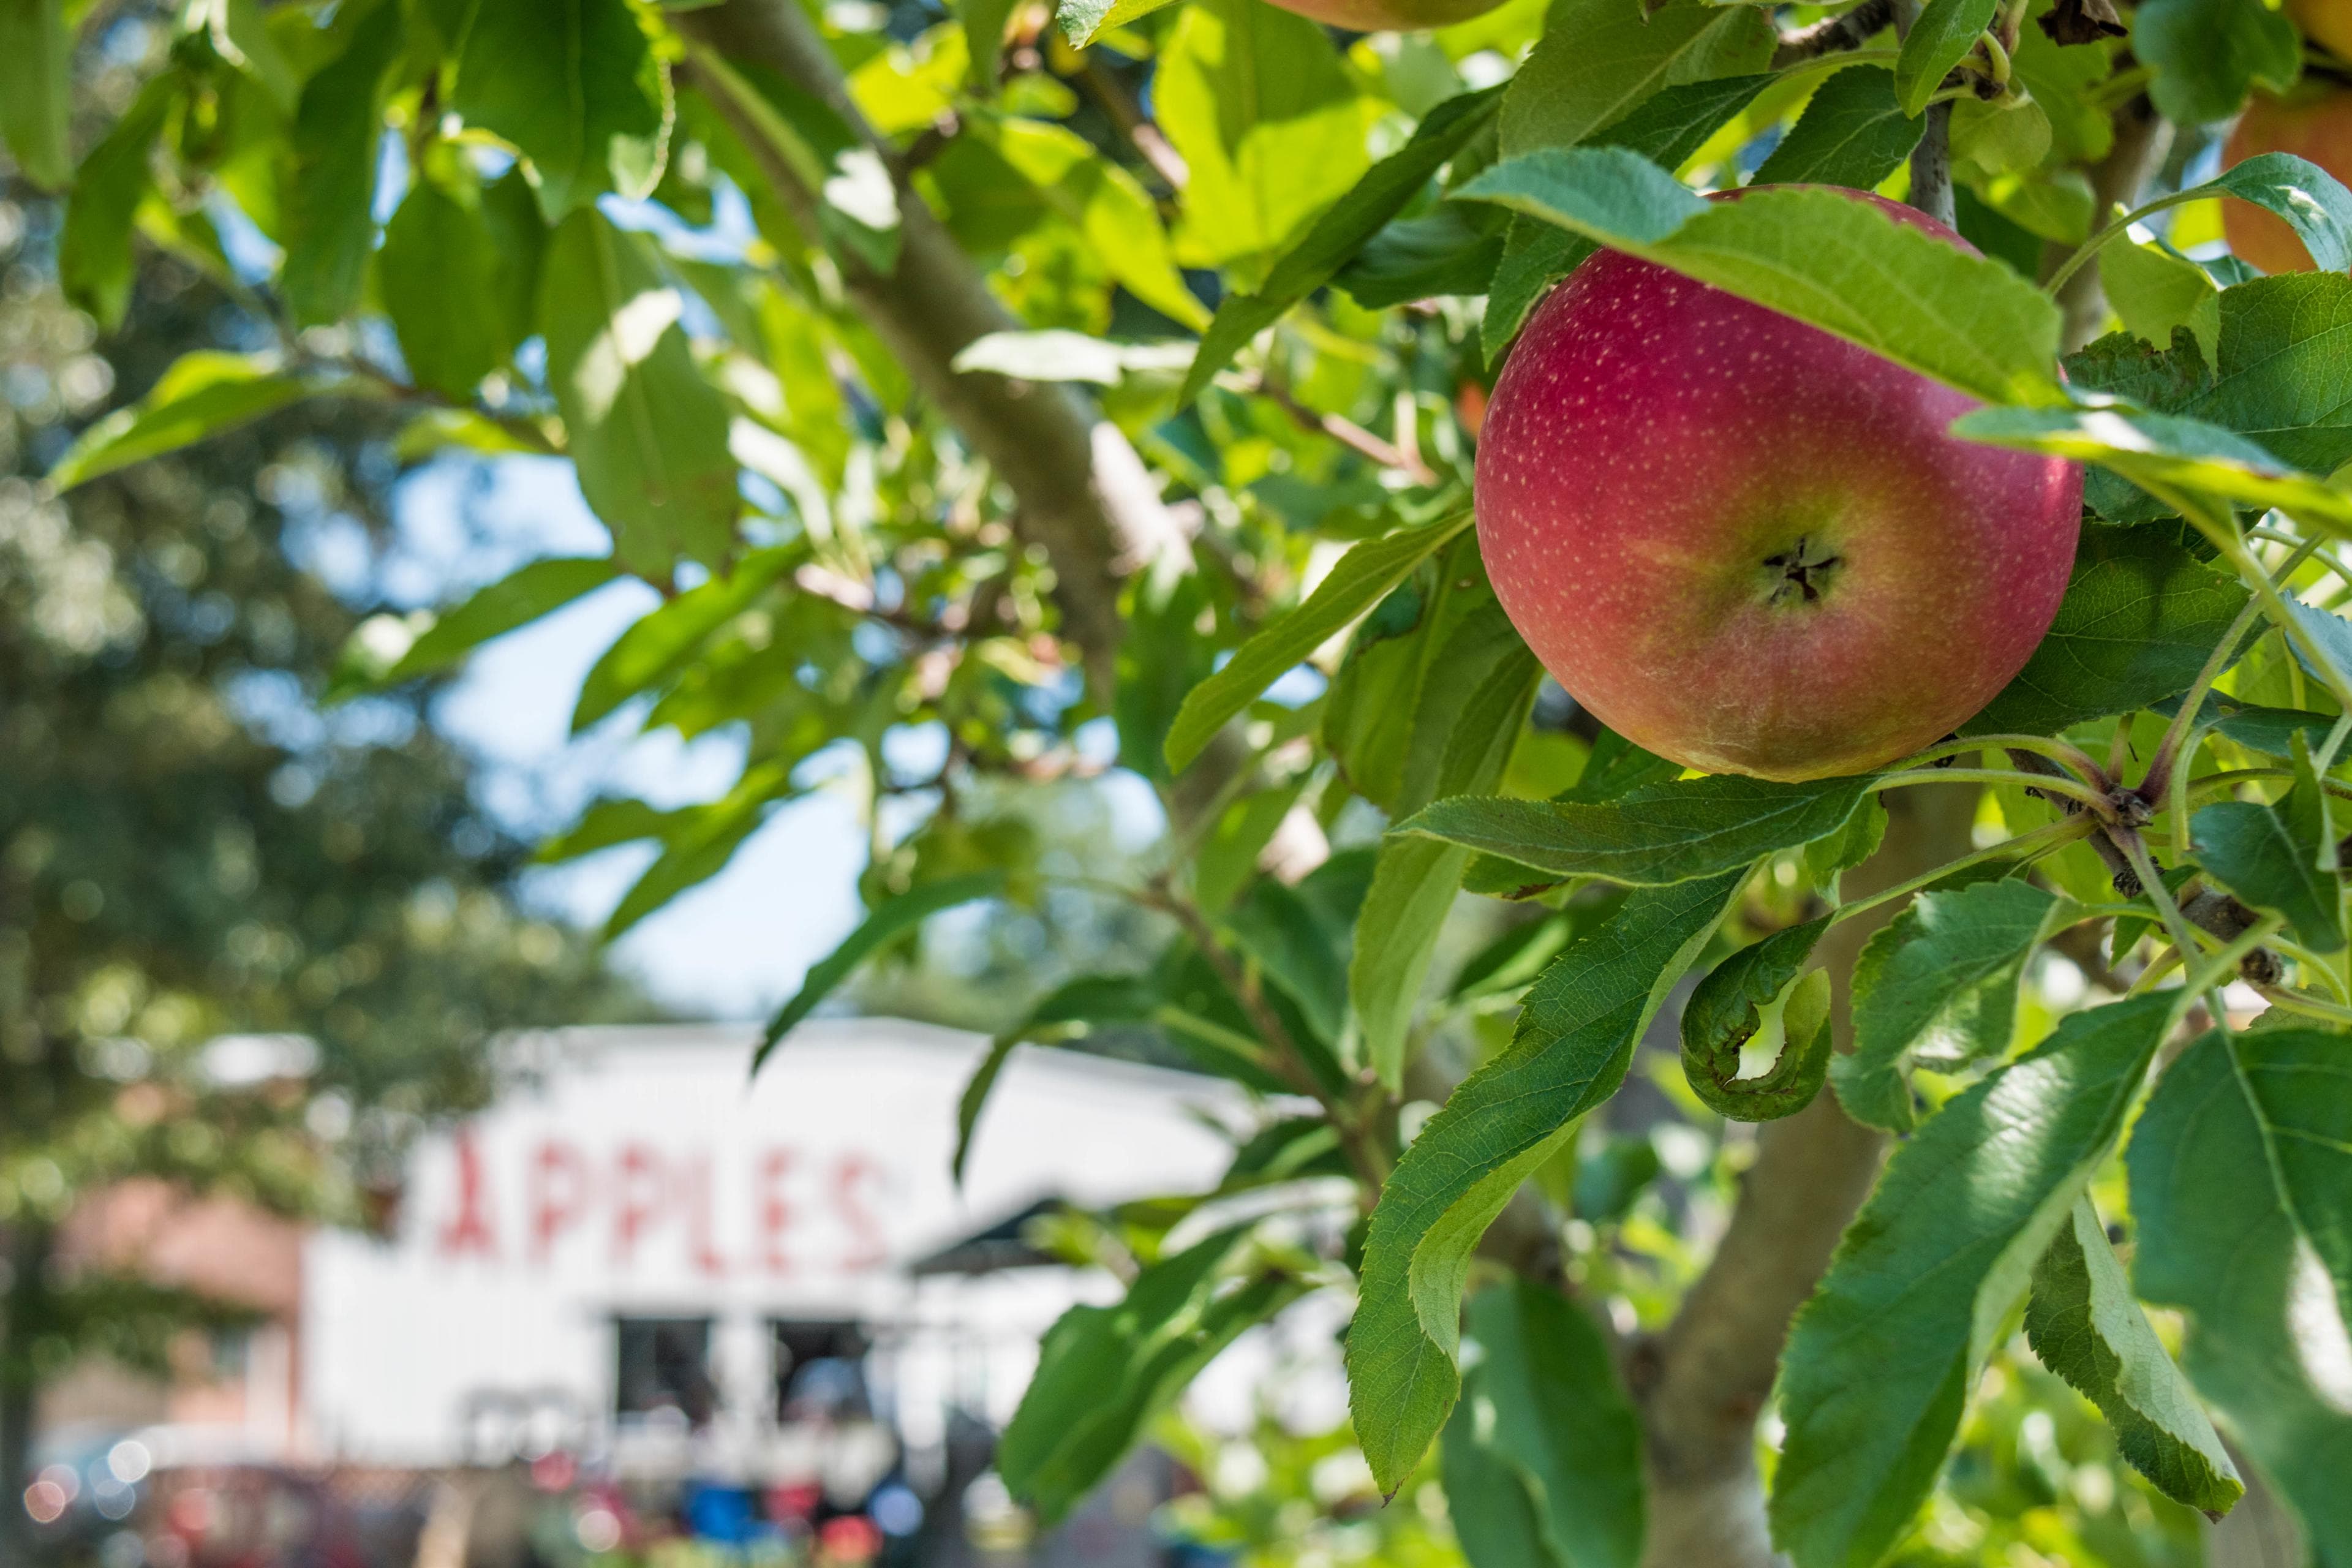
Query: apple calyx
<point x="1800" y="573"/>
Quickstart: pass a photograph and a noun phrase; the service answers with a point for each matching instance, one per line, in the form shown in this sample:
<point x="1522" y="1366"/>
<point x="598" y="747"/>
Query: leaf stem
<point x="2302" y="1002"/>
<point x="2198" y="508"/>
<point x="2078" y="791"/>
<point x="2030" y="845"/>
<point x="2143" y="865"/>
<point x="2098" y="241"/>
<point x="2070" y="755"/>
<point x="2160" y="767"/>
<point x="2217" y="969"/>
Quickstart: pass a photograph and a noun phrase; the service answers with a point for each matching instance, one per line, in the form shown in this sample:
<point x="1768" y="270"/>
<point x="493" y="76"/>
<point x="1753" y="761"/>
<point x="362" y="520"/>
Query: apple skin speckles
<point x="1653" y="442"/>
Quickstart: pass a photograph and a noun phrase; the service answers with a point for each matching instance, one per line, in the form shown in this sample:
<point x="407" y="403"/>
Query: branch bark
<point x="1700" y="1384"/>
<point x="1081" y="492"/>
<point x="1849" y="30"/>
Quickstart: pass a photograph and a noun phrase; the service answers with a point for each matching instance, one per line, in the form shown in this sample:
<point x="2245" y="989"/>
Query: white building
<point x="633" y="1251"/>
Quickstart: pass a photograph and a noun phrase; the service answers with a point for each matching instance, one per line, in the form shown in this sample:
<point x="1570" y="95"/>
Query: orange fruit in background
<point x="2314" y="122"/>
<point x="2328" y="23"/>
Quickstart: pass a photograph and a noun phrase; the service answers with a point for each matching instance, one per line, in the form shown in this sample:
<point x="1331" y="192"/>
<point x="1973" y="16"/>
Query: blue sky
<point x="733" y="948"/>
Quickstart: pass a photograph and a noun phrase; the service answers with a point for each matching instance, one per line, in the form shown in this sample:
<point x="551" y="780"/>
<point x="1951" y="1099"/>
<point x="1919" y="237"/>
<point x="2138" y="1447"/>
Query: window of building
<point x="665" y="1370"/>
<point x="820" y="1371"/>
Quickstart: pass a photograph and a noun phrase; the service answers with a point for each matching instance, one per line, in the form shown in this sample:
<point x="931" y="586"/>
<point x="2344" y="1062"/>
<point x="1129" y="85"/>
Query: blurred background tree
<point x="245" y="945"/>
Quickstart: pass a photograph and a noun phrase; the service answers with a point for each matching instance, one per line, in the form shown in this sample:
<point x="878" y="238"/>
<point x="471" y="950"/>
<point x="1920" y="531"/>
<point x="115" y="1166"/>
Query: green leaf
<point x="1103" y="1372"/>
<point x="984" y="31"/>
<point x="648" y="434"/>
<point x="658" y="644"/>
<point x="857" y="203"/>
<point x="2283" y="376"/>
<point x="1945" y="32"/>
<point x="1827" y="258"/>
<point x="881" y="925"/>
<point x="2269" y="855"/>
<point x="1575" y="1038"/>
<point x="2162" y="453"/>
<point x="36" y="88"/>
<point x="2067" y="80"/>
<point x="2084" y="1325"/>
<point x="94" y="262"/>
<point x="1852" y="134"/>
<point x="1058" y="355"/>
<point x="535" y="589"/>
<point x="1161" y="658"/>
<point x="1270" y="127"/>
<point x="698" y="842"/>
<point x="437" y="272"/>
<point x="1227" y="859"/>
<point x="2301" y="1088"/>
<point x="1488" y="1496"/>
<point x="2307" y="196"/>
<point x="619" y="820"/>
<point x="1473" y="701"/>
<point x="240" y="34"/>
<point x="1826" y="858"/>
<point x="518" y="245"/>
<point x="1661" y="833"/>
<point x="1107" y="205"/>
<point x="204" y="394"/>
<point x="1757" y="997"/>
<point x="1944" y="973"/>
<point x="2155" y="291"/>
<point x="2226" y="1236"/>
<point x="2209" y="54"/>
<point x="2140" y="617"/>
<point x="575" y="85"/>
<point x="1597" y="60"/>
<point x="1068" y="1011"/>
<point x="1081" y="20"/>
<point x="1543" y="1403"/>
<point x="338" y="137"/>
<point x="1278" y="931"/>
<point x="1880" y="1360"/>
<point x="2008" y="136"/>
<point x="1666" y="128"/>
<point x="1445" y="252"/>
<point x="2324" y="646"/>
<point x="2259" y="729"/>
<point x="1362" y="578"/>
<point x="1341" y="232"/>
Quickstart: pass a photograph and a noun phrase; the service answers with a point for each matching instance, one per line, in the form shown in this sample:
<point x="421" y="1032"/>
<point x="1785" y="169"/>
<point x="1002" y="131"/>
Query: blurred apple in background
<point x="2314" y="122"/>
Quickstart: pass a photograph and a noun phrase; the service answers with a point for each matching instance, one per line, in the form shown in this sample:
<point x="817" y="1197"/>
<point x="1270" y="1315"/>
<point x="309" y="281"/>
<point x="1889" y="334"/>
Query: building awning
<point x="1004" y="1244"/>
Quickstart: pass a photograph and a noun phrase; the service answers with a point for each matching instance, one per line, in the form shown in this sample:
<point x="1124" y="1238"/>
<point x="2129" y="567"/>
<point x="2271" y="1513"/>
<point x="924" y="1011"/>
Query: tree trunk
<point x="1701" y="1384"/>
<point x="2260" y="1532"/>
<point x="2143" y="137"/>
<point x="1081" y="491"/>
<point x="27" y="1278"/>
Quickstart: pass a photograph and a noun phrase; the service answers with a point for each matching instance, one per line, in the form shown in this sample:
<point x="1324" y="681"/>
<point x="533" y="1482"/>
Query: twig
<point x="1112" y="95"/>
<point x="1289" y="1061"/>
<point x="1849" y="31"/>
<point x="1347" y="432"/>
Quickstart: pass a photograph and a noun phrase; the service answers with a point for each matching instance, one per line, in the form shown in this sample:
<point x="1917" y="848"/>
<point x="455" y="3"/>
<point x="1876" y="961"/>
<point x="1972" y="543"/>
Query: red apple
<point x="1389" y="16"/>
<point x="2314" y="121"/>
<point x="1748" y="545"/>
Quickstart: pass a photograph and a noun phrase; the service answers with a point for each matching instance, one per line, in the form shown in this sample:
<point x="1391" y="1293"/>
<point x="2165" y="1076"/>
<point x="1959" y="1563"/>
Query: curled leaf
<point x="1758" y="991"/>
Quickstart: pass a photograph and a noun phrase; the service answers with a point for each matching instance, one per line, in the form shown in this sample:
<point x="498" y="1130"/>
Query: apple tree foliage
<point x="1098" y="389"/>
